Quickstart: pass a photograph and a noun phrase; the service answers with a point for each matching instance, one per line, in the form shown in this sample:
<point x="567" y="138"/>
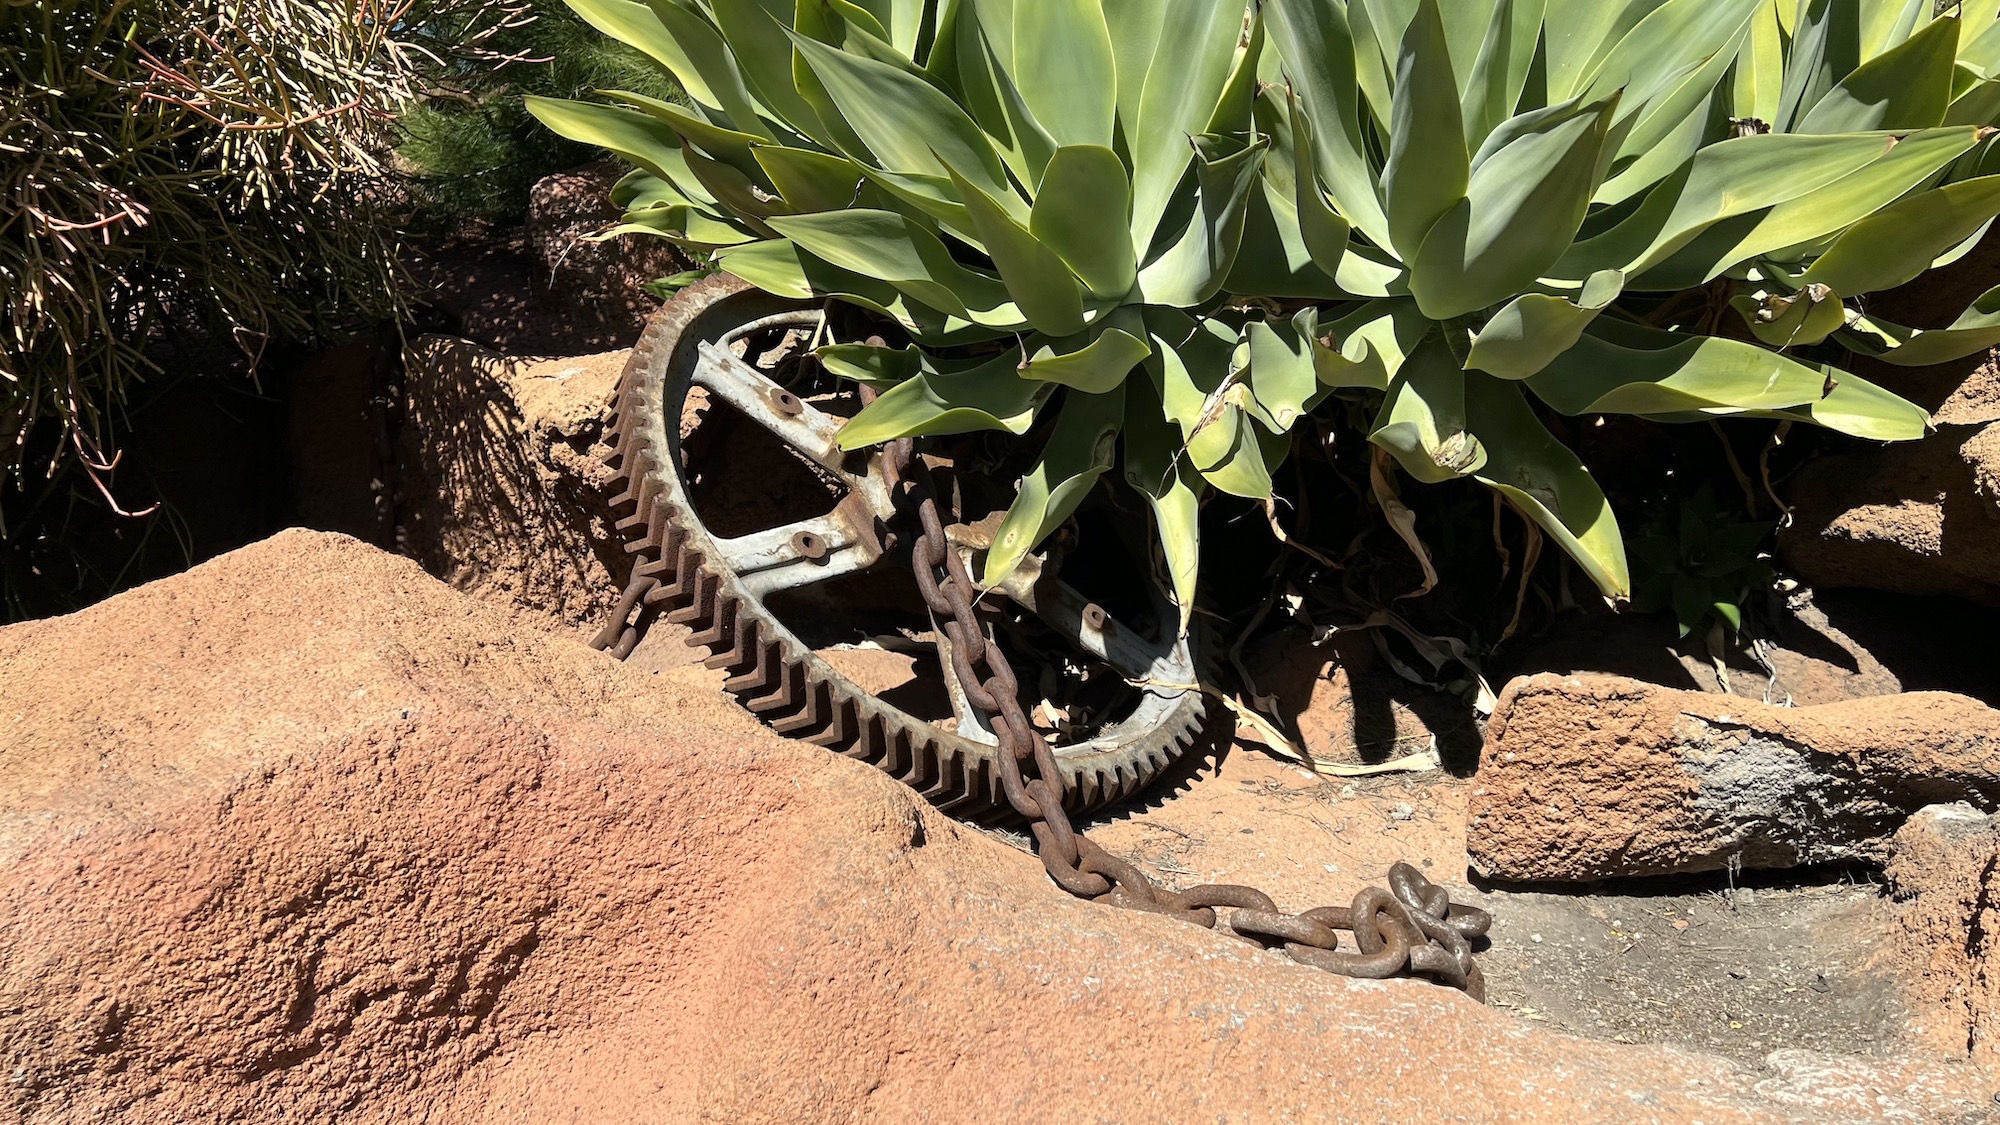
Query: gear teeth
<point x="701" y="597"/>
<point x="790" y="689"/>
<point x="758" y="672"/>
<point x="839" y="729"/>
<point x="811" y="714"/>
<point x="742" y="655"/>
<point x="721" y="628"/>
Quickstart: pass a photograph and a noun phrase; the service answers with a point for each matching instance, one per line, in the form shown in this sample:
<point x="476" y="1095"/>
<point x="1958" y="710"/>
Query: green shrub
<point x="475" y="151"/>
<point x="207" y="168"/>
<point x="1471" y="213"/>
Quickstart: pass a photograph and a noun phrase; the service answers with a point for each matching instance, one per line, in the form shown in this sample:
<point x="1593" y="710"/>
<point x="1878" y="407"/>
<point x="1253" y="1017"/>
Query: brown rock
<point x="1600" y="776"/>
<point x="547" y="288"/>
<point x="503" y="490"/>
<point x="1918" y="517"/>
<point x="1946" y="875"/>
<point x="304" y="835"/>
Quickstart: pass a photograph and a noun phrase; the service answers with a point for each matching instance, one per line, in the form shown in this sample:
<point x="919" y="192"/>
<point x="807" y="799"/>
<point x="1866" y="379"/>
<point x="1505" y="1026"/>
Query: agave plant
<point x="1183" y="240"/>
<point x="1826" y="68"/>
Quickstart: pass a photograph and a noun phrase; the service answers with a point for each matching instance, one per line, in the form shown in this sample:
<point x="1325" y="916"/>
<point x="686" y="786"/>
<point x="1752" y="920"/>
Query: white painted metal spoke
<point x="797" y="554"/>
<point x="796" y="422"/>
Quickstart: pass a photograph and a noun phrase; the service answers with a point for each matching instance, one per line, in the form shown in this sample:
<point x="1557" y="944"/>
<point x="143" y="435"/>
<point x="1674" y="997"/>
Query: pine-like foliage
<point x="475" y="152"/>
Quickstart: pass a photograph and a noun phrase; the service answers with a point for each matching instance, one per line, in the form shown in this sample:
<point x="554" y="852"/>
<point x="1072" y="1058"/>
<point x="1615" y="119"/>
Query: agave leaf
<point x="1528" y="196"/>
<point x="1318" y="51"/>
<point x="1428" y="166"/>
<point x="1886" y="23"/>
<point x="1171" y="486"/>
<point x="1042" y="286"/>
<point x="1671" y="67"/>
<point x="981" y="64"/>
<point x="730" y="145"/>
<point x="1667" y="152"/>
<point x="1081" y="212"/>
<point x="930" y="198"/>
<point x="1064" y="68"/>
<point x="1795" y="319"/>
<point x="1272" y="259"/>
<point x="1284" y="369"/>
<point x="1093" y="364"/>
<point x="1725" y="181"/>
<point x="1979" y="42"/>
<point x="1374" y="62"/>
<point x="752" y="29"/>
<point x="735" y="190"/>
<point x="908" y="124"/>
<point x="1367" y="347"/>
<point x="1192" y="269"/>
<point x="642" y="139"/>
<point x="877" y="366"/>
<point x="1979" y="104"/>
<point x="1825" y="48"/>
<point x="808" y="180"/>
<point x="683" y="224"/>
<point x="902" y="23"/>
<point x="989" y="396"/>
<point x="1675" y="39"/>
<point x="1908" y="87"/>
<point x="831" y="20"/>
<point x="778" y="266"/>
<point x="1901" y="241"/>
<point x="1422" y="420"/>
<point x="640" y="189"/>
<point x="1203" y="392"/>
<point x="1975" y="330"/>
<point x="1079" y="450"/>
<point x="1619" y="368"/>
<point x="1906" y="165"/>
<point x="1535" y="328"/>
<point x="1542" y="478"/>
<point x="1499" y="72"/>
<point x="1235" y="105"/>
<point x="716" y="69"/>
<point x="1184" y="83"/>
<point x="1861" y="409"/>
<point x="638" y="25"/>
<point x="1468" y="24"/>
<point x="1579" y="35"/>
<point x="1135" y="27"/>
<point x="1322" y="231"/>
<point x="1758" y="81"/>
<point x="886" y="245"/>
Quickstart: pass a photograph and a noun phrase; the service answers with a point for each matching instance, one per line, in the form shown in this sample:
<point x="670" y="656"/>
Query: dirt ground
<point x="1737" y="966"/>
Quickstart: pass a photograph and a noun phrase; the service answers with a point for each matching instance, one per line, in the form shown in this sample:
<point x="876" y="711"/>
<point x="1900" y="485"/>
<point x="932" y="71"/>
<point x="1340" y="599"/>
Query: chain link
<point x="1410" y="929"/>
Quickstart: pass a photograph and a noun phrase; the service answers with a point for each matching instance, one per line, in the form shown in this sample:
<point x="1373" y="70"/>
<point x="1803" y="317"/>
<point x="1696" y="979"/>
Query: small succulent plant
<point x="1182" y="241"/>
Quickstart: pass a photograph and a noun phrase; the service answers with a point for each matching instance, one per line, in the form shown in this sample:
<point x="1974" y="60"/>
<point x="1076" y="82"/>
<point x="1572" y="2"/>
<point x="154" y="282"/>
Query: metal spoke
<point x="1062" y="608"/>
<point x="800" y="554"/>
<point x="794" y="421"/>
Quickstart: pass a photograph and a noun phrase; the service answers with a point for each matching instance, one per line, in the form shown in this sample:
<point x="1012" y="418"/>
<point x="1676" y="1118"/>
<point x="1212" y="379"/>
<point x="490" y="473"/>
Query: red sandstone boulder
<point x="1599" y="776"/>
<point x="1918" y="517"/>
<point x="305" y="835"/>
<point x="502" y="489"/>
<point x="1946" y="876"/>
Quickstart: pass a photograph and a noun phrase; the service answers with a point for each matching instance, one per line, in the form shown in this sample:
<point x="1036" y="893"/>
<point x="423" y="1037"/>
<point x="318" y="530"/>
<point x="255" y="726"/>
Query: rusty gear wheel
<point x="721" y="586"/>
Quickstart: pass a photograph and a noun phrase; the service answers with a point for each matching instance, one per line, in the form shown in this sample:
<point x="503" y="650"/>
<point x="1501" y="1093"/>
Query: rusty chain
<point x="1410" y="929"/>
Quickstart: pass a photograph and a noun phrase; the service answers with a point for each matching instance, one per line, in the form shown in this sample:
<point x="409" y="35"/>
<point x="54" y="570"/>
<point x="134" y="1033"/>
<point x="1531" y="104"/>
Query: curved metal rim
<point x="773" y="673"/>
